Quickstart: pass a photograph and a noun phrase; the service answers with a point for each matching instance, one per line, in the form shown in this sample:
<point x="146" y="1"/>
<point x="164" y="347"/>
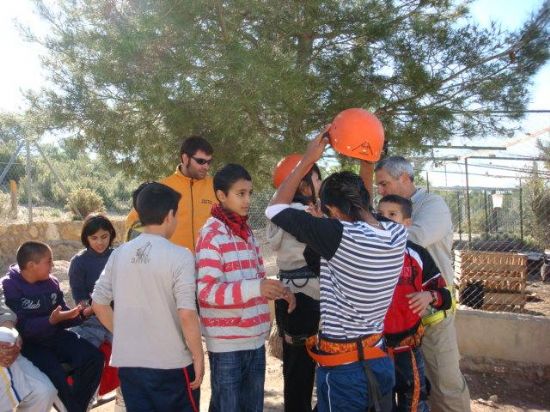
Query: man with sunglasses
<point x="192" y="181"/>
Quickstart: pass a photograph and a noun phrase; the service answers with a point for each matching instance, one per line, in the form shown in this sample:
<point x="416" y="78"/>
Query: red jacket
<point x="419" y="273"/>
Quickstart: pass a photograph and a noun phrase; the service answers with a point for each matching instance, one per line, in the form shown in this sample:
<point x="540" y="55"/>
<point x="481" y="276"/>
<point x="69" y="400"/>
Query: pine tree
<point x="131" y="79"/>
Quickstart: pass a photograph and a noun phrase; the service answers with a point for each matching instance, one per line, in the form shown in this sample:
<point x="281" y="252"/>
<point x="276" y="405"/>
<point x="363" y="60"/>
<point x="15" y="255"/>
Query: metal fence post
<point x="520" y="210"/>
<point x="486" y="214"/>
<point x="459" y="214"/>
<point x="468" y="219"/>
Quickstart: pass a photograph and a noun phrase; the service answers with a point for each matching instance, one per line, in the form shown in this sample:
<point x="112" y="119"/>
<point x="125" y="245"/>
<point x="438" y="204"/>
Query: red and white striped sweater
<point x="233" y="313"/>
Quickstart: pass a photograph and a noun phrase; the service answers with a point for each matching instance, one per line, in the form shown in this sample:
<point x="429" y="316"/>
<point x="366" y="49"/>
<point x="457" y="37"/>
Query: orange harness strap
<point x="335" y="358"/>
<point x="409" y="343"/>
<point x="416" y="384"/>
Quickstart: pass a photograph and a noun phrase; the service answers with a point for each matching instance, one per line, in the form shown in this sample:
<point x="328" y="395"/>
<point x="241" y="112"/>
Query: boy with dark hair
<point x="232" y="293"/>
<point x="43" y="316"/>
<point x="23" y="387"/>
<point x="136" y="227"/>
<point x="152" y="282"/>
<point x="191" y="180"/>
<point x="420" y="286"/>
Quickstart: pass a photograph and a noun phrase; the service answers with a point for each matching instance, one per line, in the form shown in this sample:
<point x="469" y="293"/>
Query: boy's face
<point x="393" y="212"/>
<point x="237" y="198"/>
<point x="41" y="269"/>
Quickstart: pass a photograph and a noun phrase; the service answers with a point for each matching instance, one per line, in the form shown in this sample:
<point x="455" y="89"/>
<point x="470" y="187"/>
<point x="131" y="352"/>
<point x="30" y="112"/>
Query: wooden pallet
<point x="502" y="275"/>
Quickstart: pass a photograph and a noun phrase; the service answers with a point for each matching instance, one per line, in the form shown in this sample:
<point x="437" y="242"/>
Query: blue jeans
<point x="405" y="382"/>
<point x="344" y="388"/>
<point x="93" y="331"/>
<point x="237" y="380"/>
<point x="160" y="390"/>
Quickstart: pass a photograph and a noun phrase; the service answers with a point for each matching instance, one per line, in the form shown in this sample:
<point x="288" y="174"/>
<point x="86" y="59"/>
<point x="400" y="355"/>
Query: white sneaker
<point x="120" y="406"/>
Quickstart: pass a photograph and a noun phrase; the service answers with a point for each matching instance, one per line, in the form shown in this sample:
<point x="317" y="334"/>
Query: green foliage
<point x="76" y="170"/>
<point x="544" y="148"/>
<point x="131" y="79"/>
<point x="538" y="199"/>
<point x="17" y="170"/>
<point x="82" y="202"/>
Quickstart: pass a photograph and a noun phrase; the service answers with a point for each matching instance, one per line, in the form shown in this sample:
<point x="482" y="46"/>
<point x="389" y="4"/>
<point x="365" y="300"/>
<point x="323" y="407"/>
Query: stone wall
<point x="63" y="237"/>
<point x="520" y="340"/>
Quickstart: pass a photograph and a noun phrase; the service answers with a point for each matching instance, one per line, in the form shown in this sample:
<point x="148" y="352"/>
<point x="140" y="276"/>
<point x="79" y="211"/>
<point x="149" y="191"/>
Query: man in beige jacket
<point x="432" y="228"/>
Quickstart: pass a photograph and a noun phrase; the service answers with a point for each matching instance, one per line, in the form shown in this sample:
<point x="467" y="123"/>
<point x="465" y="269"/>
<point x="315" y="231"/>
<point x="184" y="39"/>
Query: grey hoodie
<point x="290" y="256"/>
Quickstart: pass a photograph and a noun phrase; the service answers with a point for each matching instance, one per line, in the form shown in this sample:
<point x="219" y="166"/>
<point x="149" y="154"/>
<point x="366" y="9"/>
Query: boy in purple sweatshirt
<point x="43" y="316"/>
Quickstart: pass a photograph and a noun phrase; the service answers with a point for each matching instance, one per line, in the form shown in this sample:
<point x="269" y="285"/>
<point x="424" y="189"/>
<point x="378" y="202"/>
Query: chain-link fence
<point x="501" y="247"/>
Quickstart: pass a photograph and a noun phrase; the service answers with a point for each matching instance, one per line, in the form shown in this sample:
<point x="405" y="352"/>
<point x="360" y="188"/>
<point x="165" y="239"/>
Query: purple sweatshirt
<point x="33" y="303"/>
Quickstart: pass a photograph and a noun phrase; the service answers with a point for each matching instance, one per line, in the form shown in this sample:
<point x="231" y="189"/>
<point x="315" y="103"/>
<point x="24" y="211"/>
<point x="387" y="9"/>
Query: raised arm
<point x="366" y="171"/>
<point x="286" y="191"/>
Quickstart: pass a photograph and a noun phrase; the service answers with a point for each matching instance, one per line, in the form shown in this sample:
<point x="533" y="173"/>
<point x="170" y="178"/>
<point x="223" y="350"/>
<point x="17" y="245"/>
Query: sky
<point x="510" y="14"/>
<point x="21" y="70"/>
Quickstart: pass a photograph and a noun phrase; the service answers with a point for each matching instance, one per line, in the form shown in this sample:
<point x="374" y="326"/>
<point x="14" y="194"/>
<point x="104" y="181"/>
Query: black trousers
<point x="83" y="357"/>
<point x="298" y="367"/>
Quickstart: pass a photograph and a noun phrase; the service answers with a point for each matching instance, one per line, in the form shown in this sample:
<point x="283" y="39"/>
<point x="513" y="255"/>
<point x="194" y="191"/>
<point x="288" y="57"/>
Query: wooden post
<point x="13" y="196"/>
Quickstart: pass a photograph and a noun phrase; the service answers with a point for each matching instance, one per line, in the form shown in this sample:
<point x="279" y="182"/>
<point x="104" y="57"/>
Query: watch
<point x="434" y="297"/>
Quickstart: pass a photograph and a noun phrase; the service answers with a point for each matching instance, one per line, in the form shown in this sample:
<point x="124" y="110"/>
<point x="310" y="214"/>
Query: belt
<point x="301" y="273"/>
<point x="436" y="317"/>
<point x="295" y="340"/>
<point x="408" y="343"/>
<point x="332" y="353"/>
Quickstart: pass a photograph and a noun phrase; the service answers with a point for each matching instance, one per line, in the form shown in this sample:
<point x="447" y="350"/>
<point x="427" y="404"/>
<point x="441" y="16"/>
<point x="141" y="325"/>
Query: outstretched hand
<point x="316" y="147"/>
<point x="59" y="315"/>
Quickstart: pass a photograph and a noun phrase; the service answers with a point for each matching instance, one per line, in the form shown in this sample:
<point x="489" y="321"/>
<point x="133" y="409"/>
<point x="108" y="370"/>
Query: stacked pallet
<point x="498" y="279"/>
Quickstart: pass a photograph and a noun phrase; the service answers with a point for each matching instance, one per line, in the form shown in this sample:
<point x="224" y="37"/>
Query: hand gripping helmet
<point x="284" y="167"/>
<point x="357" y="133"/>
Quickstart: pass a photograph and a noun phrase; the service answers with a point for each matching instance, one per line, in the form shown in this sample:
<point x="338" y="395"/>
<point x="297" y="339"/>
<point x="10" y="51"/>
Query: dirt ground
<point x="538" y="300"/>
<point x="490" y="392"/>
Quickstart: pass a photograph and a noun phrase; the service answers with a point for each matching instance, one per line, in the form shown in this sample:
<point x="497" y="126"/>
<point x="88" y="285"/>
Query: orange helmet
<point x="357" y="133"/>
<point x="284" y="167"/>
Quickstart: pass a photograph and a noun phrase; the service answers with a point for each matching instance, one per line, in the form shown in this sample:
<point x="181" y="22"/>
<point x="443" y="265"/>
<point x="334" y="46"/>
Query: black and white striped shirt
<point x="360" y="265"/>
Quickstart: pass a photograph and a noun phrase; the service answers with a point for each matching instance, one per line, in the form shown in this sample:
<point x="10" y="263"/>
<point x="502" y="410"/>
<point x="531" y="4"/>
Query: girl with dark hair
<point x="97" y="236"/>
<point x="299" y="271"/>
<point x="361" y="259"/>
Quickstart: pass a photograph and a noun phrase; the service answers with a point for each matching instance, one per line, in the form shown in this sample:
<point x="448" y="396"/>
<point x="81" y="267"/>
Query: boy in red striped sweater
<point x="233" y="293"/>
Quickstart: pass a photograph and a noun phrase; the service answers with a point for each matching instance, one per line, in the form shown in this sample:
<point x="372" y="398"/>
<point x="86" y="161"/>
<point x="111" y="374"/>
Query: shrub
<point x="84" y="201"/>
<point x="4" y="205"/>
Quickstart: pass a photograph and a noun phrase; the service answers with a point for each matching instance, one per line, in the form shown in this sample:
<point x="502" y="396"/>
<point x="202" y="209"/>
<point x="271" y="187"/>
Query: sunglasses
<point x="201" y="161"/>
